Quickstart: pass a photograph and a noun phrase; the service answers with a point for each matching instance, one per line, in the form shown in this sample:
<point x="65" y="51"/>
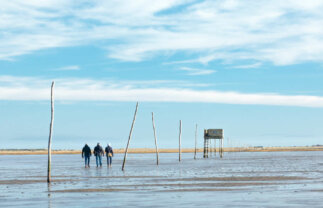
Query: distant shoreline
<point x="168" y="150"/>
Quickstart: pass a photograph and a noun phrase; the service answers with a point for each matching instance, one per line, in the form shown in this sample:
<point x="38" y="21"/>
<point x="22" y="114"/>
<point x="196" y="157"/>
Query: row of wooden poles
<point x="129" y="138"/>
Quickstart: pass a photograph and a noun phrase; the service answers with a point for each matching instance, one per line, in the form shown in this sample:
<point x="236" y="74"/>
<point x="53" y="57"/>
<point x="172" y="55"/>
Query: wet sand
<point x="228" y="182"/>
<point x="253" y="179"/>
<point x="257" y="178"/>
<point x="317" y="190"/>
<point x="160" y="179"/>
<point x="89" y="190"/>
<point x="22" y="182"/>
<point x="199" y="190"/>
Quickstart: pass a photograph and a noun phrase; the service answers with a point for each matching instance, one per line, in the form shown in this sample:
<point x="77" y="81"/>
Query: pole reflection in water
<point x="49" y="195"/>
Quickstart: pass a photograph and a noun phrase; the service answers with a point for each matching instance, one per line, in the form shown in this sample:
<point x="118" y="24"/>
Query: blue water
<point x="171" y="184"/>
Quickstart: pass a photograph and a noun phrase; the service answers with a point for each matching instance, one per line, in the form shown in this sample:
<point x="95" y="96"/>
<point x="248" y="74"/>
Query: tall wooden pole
<point x="195" y="142"/>
<point x="204" y="149"/>
<point x="180" y="136"/>
<point x="50" y="135"/>
<point x="126" y="151"/>
<point x="152" y="115"/>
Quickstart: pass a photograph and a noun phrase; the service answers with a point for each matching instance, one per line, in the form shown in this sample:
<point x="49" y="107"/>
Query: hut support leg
<point x="214" y="147"/>
<point x="221" y="155"/>
<point x="205" y="146"/>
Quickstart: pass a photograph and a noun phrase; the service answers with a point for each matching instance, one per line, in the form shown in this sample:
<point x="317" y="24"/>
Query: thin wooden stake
<point x="195" y="142"/>
<point x="50" y="135"/>
<point x="204" y="150"/>
<point x="180" y="136"/>
<point x="152" y="115"/>
<point x="126" y="151"/>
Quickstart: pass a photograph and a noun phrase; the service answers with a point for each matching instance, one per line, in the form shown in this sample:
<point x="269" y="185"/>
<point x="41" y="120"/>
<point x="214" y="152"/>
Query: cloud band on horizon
<point x="33" y="89"/>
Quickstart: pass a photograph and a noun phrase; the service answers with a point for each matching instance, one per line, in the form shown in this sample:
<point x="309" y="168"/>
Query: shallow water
<point x="253" y="179"/>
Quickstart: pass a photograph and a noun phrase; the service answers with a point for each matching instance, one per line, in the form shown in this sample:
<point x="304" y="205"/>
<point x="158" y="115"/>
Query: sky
<point x="253" y="68"/>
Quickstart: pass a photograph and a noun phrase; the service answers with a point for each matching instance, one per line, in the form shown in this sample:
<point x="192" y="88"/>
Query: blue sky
<point x="254" y="68"/>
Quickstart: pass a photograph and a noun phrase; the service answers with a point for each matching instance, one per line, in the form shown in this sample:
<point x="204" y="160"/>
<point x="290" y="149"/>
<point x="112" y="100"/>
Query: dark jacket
<point x="98" y="150"/>
<point x="86" y="151"/>
<point x="108" y="150"/>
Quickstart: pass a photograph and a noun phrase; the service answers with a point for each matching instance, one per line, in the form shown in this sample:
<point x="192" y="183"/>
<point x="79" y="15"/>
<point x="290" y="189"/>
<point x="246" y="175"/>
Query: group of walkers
<point x="98" y="153"/>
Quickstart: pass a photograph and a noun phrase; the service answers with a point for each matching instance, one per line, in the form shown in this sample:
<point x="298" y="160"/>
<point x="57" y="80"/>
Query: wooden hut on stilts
<point x="212" y="134"/>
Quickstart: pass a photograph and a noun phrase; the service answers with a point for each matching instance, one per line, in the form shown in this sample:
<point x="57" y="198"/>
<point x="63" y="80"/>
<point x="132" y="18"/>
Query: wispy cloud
<point x="197" y="72"/>
<point x="281" y="32"/>
<point x="69" y="68"/>
<point x="248" y="66"/>
<point x="25" y="88"/>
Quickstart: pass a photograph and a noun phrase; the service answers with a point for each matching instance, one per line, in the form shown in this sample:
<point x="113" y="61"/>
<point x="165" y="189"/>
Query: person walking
<point x="86" y="153"/>
<point x="98" y="152"/>
<point x="109" y="154"/>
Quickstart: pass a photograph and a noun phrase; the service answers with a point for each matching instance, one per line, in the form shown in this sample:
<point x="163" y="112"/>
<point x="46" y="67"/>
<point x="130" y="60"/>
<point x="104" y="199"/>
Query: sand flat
<point x="253" y="178"/>
<point x="90" y="190"/>
<point x="16" y="182"/>
<point x="199" y="184"/>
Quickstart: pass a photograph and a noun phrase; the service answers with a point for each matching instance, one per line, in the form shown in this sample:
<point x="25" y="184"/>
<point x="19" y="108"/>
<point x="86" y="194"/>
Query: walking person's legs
<point x="110" y="161"/>
<point x="97" y="160"/>
<point x="87" y="161"/>
<point x="100" y="160"/>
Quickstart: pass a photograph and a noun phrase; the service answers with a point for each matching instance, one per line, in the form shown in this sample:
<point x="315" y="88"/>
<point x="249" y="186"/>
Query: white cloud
<point x="281" y="32"/>
<point x="197" y="72"/>
<point x="248" y="66"/>
<point x="69" y="68"/>
<point x="25" y="88"/>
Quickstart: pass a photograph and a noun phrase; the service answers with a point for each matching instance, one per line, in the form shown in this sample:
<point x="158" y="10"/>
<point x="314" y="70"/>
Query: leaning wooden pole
<point x="50" y="135"/>
<point x="152" y="115"/>
<point x="180" y="137"/>
<point x="126" y="151"/>
<point x="195" y="142"/>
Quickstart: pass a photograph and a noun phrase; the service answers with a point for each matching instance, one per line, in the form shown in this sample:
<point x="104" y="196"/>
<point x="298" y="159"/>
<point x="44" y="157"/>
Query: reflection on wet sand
<point x="49" y="195"/>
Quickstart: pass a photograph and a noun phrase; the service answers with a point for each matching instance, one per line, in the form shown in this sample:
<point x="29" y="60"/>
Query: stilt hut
<point x="212" y="134"/>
